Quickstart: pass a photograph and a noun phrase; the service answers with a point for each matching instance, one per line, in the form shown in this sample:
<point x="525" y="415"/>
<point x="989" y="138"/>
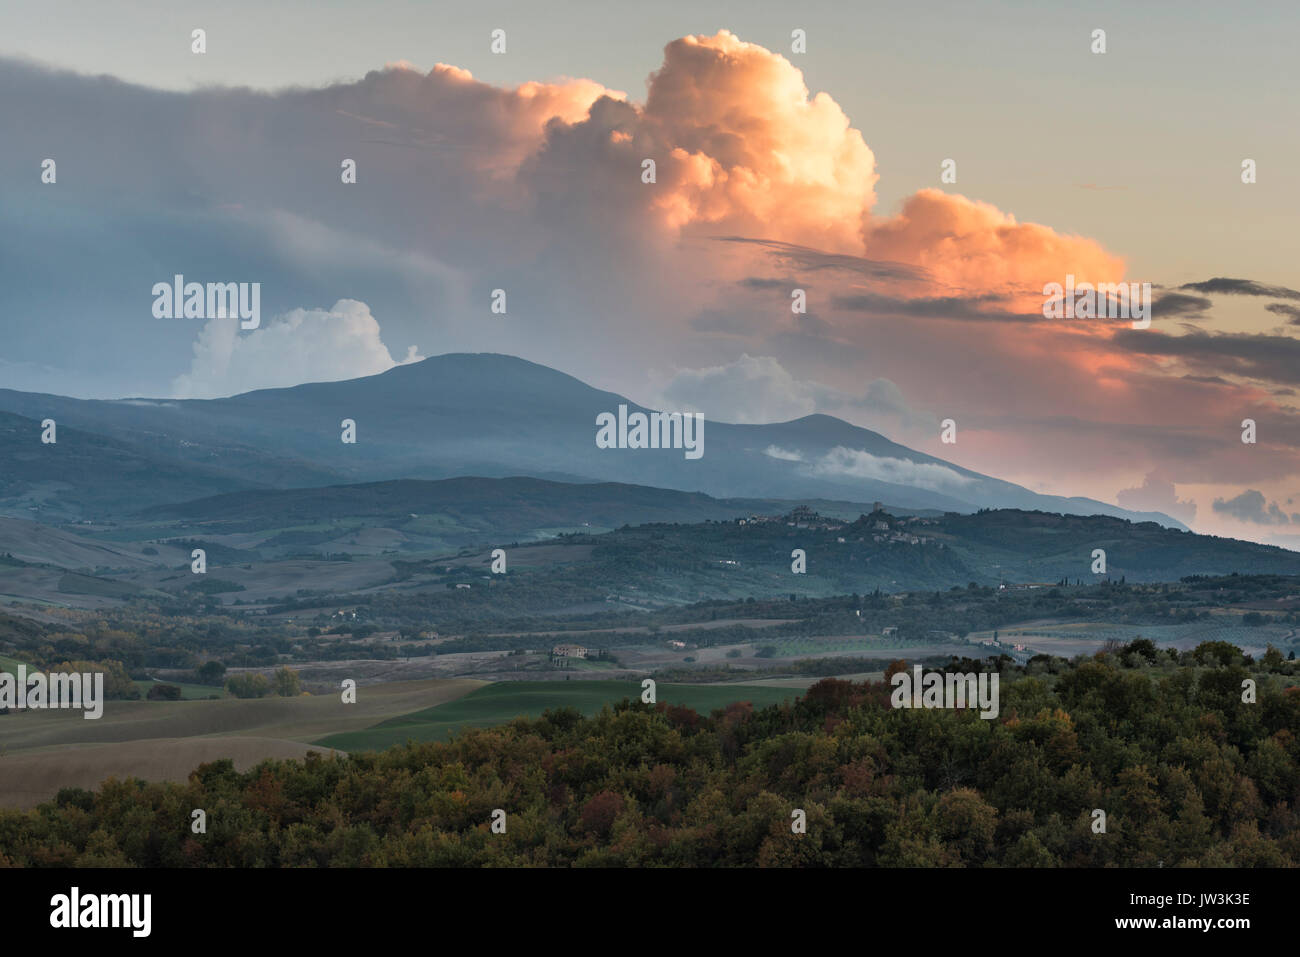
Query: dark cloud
<point x="938" y="307"/>
<point x="756" y="282"/>
<point x="1257" y="356"/>
<point x="1291" y="313"/>
<point x="1179" y="304"/>
<point x="807" y="259"/>
<point x="1241" y="287"/>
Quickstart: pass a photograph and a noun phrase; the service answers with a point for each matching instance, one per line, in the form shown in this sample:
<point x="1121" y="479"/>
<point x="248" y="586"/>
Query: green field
<point x="811" y="647"/>
<point x="504" y="701"/>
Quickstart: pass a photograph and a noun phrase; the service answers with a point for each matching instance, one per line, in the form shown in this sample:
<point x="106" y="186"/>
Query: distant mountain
<point x="462" y="414"/>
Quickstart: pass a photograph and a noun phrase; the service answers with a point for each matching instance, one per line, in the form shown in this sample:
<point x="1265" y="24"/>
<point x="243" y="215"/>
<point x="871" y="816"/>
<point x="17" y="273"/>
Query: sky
<point x="777" y="169"/>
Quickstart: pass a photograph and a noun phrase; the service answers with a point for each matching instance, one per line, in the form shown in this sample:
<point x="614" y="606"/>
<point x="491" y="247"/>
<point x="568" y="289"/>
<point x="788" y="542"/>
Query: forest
<point x="1134" y="756"/>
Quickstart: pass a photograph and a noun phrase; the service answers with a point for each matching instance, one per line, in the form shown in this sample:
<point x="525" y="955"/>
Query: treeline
<point x="1184" y="771"/>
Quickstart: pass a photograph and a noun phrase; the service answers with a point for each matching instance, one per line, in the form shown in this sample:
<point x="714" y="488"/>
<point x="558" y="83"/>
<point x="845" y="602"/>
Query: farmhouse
<point x="569" y="651"/>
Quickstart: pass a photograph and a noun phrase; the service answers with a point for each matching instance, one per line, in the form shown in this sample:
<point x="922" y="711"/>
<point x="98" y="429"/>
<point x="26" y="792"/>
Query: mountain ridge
<point x="497" y="415"/>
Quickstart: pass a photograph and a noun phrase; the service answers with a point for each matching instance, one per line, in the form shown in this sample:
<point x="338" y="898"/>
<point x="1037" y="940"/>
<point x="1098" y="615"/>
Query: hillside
<point x="465" y="414"/>
<point x="578" y="546"/>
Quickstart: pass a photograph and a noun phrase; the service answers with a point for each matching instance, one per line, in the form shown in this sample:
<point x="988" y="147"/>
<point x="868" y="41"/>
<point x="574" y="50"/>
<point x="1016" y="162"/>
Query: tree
<point x="1216" y="652"/>
<point x="164" y="692"/>
<point x="287" y="684"/>
<point x="211" y="673"/>
<point x="248" y="685"/>
<point x="118" y="685"/>
<point x="1142" y="646"/>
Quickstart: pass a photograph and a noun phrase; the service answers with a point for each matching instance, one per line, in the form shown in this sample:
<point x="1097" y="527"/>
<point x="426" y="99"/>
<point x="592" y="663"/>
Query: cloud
<point x="1292" y="313"/>
<point x="751" y="390"/>
<point x="1242" y="287"/>
<point x="971" y="246"/>
<point x="1251" y="506"/>
<point x="938" y="307"/>
<point x="1157" y="495"/>
<point x="784" y="455"/>
<point x="463" y="187"/>
<point x="743" y="147"/>
<point x="1259" y="356"/>
<point x="304" y="345"/>
<point x="808" y="260"/>
<point x="1179" y="304"/>
<point x="841" y="462"/>
<point x="758" y="389"/>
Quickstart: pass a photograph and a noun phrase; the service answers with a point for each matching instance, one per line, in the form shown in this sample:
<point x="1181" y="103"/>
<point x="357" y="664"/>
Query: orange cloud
<point x="971" y="246"/>
<point x="748" y="150"/>
<point x="742" y="147"/>
<point x="496" y="128"/>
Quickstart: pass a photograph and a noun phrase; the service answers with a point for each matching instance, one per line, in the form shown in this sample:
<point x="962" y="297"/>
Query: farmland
<point x="42" y="751"/>
<point x="503" y="701"/>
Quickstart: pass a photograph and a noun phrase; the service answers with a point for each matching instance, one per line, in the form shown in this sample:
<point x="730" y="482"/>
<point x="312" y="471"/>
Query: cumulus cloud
<point x="1252" y="506"/>
<point x="304" y="345"/>
<point x="463" y="187"/>
<point x="751" y="151"/>
<point x="971" y="246"/>
<point x="1157" y="495"/>
<point x="739" y="146"/>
